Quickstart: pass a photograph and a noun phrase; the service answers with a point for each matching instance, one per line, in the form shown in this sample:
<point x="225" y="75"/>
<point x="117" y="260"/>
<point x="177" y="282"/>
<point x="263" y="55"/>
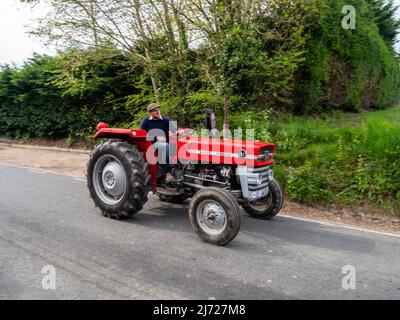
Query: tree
<point x="344" y="69"/>
<point x="384" y="13"/>
<point x="200" y="54"/>
<point x="132" y="26"/>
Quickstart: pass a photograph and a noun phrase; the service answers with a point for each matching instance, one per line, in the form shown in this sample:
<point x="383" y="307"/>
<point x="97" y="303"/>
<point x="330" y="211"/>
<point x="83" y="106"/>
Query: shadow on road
<point x="163" y="215"/>
<point x="259" y="233"/>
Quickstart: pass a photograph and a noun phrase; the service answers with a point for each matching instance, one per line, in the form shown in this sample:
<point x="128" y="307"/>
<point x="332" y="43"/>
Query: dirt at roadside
<point x="55" y="160"/>
<point x="72" y="162"/>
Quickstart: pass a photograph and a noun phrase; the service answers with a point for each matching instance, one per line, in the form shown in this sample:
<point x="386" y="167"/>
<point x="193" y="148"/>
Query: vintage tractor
<point x="218" y="174"/>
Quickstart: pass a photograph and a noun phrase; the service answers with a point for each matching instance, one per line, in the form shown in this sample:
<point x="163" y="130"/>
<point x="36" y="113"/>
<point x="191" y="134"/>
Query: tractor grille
<point x="254" y="182"/>
<point x="257" y="175"/>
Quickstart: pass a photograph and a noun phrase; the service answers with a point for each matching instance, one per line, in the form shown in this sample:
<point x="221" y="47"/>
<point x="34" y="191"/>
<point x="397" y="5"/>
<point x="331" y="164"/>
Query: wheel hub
<point x="211" y="217"/>
<point x="114" y="179"/>
<point x="109" y="179"/>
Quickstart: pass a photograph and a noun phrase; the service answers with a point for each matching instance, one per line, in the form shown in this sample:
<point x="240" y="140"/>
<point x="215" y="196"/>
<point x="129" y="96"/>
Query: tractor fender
<point x="137" y="137"/>
<point x="119" y="133"/>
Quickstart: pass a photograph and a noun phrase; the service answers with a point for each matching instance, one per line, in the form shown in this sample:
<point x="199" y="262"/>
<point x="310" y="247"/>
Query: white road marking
<point x="42" y="172"/>
<point x="79" y="179"/>
<point x="342" y="226"/>
<point x="16" y="166"/>
<point x="5" y="164"/>
<point x="35" y="171"/>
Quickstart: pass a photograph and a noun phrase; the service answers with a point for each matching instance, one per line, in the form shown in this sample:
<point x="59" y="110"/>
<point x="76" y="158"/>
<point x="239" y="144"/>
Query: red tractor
<point x="218" y="174"/>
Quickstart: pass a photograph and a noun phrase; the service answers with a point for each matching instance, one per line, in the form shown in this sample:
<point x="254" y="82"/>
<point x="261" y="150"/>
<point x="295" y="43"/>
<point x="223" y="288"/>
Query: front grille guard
<point x="254" y="181"/>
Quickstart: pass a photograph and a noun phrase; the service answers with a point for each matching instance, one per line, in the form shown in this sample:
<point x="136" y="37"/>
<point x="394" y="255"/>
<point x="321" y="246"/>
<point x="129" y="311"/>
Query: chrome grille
<point x="253" y="175"/>
<point x="254" y="181"/>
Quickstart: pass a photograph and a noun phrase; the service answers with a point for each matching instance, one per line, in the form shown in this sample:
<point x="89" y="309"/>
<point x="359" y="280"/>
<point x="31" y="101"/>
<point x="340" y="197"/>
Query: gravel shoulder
<point x="56" y="160"/>
<point x="72" y="162"/>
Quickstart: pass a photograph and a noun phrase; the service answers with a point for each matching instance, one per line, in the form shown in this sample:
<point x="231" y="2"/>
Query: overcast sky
<point x="15" y="44"/>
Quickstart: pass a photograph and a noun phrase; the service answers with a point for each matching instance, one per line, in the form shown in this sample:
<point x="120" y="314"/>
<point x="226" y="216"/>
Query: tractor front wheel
<point x="268" y="207"/>
<point x="215" y="216"/>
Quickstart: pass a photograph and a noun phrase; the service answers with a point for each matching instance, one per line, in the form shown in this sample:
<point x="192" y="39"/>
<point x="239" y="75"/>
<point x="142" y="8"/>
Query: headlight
<point x="265" y="156"/>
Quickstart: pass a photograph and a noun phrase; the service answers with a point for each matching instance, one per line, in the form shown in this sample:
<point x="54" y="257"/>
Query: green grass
<point x="391" y="115"/>
<point x="344" y="158"/>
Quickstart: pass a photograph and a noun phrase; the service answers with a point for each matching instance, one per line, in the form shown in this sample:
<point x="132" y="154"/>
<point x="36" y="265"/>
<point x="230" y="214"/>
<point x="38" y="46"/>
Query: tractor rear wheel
<point x="118" y="179"/>
<point x="215" y="216"/>
<point x="268" y="207"/>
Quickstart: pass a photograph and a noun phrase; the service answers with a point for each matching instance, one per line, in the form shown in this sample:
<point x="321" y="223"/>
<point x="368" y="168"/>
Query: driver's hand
<point x="161" y="139"/>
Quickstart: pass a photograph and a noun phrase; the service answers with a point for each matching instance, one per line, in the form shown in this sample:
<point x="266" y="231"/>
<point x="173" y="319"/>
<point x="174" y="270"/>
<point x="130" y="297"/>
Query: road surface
<point x="48" y="221"/>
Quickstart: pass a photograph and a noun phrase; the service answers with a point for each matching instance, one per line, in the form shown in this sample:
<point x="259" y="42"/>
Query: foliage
<point x="66" y="95"/>
<point x="349" y="69"/>
<point x="384" y="13"/>
<point x="341" y="161"/>
<point x="29" y="106"/>
<point x="291" y="55"/>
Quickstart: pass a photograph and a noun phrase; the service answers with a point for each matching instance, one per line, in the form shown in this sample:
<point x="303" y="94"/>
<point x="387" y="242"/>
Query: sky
<point x="15" y="44"/>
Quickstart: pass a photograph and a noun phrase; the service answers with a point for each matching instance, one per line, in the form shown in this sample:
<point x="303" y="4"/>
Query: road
<point x="49" y="220"/>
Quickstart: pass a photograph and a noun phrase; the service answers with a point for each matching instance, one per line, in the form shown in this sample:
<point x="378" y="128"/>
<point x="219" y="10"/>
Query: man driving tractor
<point x="120" y="175"/>
<point x="158" y="128"/>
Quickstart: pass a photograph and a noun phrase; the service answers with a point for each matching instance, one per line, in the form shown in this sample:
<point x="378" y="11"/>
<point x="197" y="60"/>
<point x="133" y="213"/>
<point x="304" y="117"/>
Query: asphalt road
<point x="48" y="219"/>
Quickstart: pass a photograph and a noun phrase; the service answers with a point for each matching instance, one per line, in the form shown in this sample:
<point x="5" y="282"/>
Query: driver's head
<point x="154" y="110"/>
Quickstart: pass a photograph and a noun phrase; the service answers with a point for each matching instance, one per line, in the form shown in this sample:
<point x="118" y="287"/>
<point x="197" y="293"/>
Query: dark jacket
<point x="163" y="124"/>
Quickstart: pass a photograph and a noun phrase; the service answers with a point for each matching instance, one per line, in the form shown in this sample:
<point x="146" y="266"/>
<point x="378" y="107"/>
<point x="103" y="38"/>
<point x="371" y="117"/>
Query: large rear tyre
<point x="215" y="216"/>
<point x="118" y="179"/>
<point x="268" y="207"/>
